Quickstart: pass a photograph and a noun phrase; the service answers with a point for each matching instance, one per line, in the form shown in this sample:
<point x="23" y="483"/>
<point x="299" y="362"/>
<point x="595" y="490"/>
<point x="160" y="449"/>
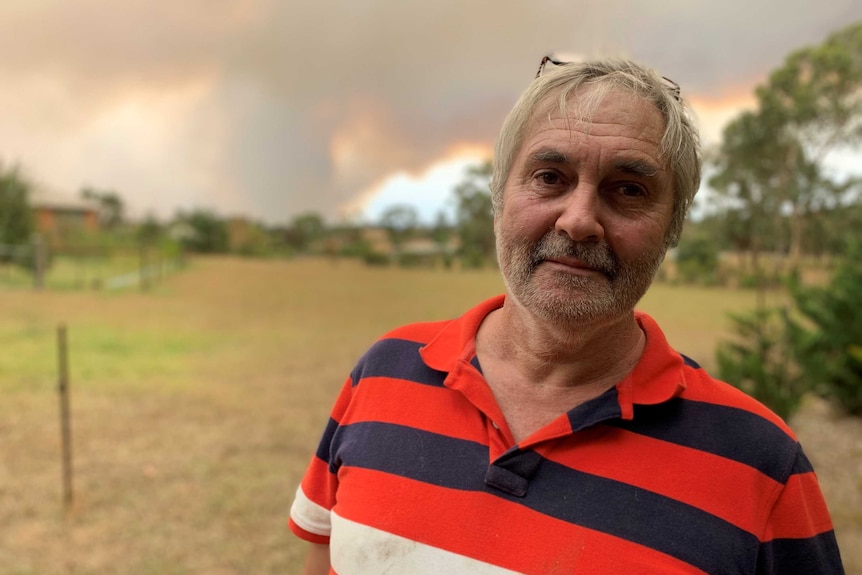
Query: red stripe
<point x="435" y="409"/>
<point x="307" y="535"/>
<point x="318" y="484"/>
<point x="800" y="511"/>
<point x="491" y="529"/>
<point x="343" y="400"/>
<point x="700" y="479"/>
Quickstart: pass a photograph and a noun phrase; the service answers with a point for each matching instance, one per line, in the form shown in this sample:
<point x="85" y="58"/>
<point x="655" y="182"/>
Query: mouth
<point x="574" y="265"/>
<point x="586" y="262"/>
<point x="574" y="257"/>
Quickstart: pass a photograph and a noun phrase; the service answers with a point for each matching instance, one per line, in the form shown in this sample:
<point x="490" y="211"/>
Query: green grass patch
<point x="15" y="277"/>
<point x="101" y="358"/>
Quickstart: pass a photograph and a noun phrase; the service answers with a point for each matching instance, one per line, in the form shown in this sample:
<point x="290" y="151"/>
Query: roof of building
<point x="42" y="196"/>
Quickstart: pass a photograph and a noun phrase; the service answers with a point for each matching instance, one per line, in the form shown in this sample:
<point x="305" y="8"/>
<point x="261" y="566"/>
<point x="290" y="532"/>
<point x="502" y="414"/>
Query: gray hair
<point x="680" y="144"/>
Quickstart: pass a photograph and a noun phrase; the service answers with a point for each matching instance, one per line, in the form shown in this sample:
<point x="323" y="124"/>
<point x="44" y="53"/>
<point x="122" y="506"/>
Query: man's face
<point x="586" y="210"/>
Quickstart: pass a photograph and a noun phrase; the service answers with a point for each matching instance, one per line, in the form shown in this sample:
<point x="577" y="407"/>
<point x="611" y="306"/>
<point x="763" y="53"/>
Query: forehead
<point x="615" y="120"/>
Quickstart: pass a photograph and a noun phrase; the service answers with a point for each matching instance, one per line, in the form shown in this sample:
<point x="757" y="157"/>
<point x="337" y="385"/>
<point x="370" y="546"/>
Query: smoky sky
<point x="273" y="108"/>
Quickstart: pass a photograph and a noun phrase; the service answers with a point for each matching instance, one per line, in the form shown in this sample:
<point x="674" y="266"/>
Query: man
<point x="553" y="429"/>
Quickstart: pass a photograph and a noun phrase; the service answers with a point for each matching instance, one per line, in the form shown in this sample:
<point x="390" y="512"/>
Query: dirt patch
<point x="833" y="443"/>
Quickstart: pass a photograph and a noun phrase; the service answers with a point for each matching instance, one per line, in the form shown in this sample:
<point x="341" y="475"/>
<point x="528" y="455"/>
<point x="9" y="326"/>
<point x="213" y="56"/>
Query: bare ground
<point x="833" y="443"/>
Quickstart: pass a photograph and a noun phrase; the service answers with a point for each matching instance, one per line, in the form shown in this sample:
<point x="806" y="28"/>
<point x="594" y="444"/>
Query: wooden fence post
<point x="39" y="262"/>
<point x="65" y="418"/>
<point x="144" y="265"/>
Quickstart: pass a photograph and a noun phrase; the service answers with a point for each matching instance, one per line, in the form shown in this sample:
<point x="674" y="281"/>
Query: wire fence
<point x="85" y="267"/>
<point x="15" y="251"/>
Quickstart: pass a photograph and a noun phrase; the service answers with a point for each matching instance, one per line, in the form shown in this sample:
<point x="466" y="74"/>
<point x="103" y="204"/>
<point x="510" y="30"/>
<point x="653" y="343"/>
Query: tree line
<point x="468" y="238"/>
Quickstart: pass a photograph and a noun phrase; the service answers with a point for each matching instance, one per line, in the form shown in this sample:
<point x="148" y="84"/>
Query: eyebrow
<point x="637" y="168"/>
<point x="549" y="156"/>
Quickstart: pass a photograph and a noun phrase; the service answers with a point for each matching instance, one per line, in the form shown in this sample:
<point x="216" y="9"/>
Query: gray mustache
<point x="596" y="255"/>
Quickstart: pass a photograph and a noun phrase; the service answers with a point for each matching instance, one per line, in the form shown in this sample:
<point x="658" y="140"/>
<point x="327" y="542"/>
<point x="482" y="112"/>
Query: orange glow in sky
<point x="713" y="114"/>
<point x="430" y="191"/>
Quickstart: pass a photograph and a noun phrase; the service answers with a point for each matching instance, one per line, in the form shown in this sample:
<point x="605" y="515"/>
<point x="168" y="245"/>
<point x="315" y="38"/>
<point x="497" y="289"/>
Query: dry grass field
<point x="196" y="407"/>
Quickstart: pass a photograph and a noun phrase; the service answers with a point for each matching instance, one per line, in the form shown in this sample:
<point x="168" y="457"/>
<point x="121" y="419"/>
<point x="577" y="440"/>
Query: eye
<point x="549" y="178"/>
<point x="631" y="190"/>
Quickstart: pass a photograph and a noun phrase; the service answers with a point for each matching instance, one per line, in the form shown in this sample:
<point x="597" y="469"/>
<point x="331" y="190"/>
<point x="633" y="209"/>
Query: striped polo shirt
<point x="670" y="471"/>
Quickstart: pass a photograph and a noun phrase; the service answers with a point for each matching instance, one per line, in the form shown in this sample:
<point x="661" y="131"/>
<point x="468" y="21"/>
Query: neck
<point x="590" y="354"/>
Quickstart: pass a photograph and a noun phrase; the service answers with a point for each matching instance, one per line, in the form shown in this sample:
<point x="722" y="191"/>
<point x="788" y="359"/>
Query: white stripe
<point x="309" y="515"/>
<point x="357" y="549"/>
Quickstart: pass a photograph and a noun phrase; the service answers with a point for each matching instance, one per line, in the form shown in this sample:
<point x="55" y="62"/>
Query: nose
<point x="579" y="216"/>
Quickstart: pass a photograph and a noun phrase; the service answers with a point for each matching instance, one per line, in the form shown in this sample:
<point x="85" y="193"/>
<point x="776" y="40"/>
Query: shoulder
<point x="711" y="416"/>
<point x="696" y="384"/>
<point x="406" y="339"/>
<point x="396" y="355"/>
<point x="420" y="332"/>
<point x="435" y="344"/>
<point x="721" y="419"/>
<point x="703" y="387"/>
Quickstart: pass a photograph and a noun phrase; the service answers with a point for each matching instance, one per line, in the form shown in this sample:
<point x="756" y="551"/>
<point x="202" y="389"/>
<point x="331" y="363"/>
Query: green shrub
<point x="763" y="280"/>
<point x="697" y="261"/>
<point x="372" y="258"/>
<point x="759" y="362"/>
<point x="412" y="260"/>
<point x="780" y="355"/>
<point x="830" y="332"/>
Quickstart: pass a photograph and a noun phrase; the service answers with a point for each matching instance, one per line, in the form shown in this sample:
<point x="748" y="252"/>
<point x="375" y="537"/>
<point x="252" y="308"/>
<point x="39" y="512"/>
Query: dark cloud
<point x="292" y="106"/>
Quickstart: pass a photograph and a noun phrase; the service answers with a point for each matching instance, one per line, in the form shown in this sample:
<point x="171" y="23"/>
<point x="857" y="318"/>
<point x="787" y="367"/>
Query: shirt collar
<point x="658" y="376"/>
<point x="457" y="340"/>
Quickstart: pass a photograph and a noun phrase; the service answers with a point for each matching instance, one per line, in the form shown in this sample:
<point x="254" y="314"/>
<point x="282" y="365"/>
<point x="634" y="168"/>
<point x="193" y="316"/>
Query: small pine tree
<point x="829" y="341"/>
<point x="759" y="360"/>
<point x="780" y="355"/>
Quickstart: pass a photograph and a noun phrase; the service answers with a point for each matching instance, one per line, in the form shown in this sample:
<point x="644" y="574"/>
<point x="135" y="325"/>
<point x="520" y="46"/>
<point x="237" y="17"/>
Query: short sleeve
<point x="315" y="496"/>
<point x="799" y="538"/>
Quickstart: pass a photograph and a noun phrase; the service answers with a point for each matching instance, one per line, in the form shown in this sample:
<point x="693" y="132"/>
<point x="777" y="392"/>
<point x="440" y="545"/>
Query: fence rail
<point x="85" y="266"/>
<point x="15" y="250"/>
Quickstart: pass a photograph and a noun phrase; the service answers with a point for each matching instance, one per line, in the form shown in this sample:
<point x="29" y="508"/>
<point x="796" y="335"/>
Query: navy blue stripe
<point x="399" y="359"/>
<point x="816" y="555"/>
<point x="407" y="452"/>
<point x="690" y="362"/>
<point x="644" y="517"/>
<point x="326" y="441"/>
<point x="664" y="524"/>
<point x="718" y="429"/>
<point x="601" y="408"/>
<point x="802" y="465"/>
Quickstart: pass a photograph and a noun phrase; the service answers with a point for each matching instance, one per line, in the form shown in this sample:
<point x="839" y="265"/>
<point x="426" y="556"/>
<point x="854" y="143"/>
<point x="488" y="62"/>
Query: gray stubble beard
<point x="569" y="298"/>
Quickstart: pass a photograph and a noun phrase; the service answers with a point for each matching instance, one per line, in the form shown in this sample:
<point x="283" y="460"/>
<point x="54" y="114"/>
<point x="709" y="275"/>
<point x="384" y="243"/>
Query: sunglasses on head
<point x="670" y="84"/>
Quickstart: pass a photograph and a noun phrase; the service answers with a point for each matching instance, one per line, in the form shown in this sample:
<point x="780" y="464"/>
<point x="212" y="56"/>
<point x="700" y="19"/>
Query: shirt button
<point x="494" y="423"/>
